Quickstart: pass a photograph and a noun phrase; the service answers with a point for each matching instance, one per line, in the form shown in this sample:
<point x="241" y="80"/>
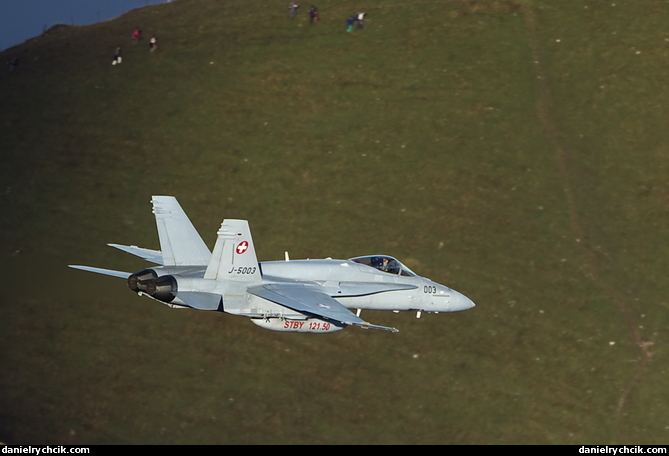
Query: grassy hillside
<point x="513" y="150"/>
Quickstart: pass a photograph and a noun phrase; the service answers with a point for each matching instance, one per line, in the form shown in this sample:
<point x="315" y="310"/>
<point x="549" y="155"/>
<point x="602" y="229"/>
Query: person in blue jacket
<point x="350" y="22"/>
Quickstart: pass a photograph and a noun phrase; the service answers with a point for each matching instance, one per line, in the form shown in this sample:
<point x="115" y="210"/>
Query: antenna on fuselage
<point x="286" y="256"/>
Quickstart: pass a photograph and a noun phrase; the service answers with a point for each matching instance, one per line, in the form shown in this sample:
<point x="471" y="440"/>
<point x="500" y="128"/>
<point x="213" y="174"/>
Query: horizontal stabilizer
<point x="154" y="256"/>
<point x="109" y="272"/>
<point x="200" y="300"/>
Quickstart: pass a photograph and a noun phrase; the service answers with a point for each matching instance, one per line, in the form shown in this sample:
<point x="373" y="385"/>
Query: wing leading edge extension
<point x="305" y="299"/>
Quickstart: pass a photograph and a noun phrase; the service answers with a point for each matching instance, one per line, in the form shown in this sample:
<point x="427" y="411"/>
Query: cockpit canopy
<point x="386" y="264"/>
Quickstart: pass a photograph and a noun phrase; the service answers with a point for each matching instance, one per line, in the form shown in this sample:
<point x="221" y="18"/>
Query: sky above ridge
<point x="24" y="19"/>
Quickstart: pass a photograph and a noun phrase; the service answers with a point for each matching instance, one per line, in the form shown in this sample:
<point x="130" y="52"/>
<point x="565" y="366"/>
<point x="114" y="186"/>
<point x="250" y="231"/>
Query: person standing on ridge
<point x="313" y="15"/>
<point x="117" y="56"/>
<point x="136" y="36"/>
<point x="361" y="20"/>
<point x="349" y="22"/>
<point x="292" y="6"/>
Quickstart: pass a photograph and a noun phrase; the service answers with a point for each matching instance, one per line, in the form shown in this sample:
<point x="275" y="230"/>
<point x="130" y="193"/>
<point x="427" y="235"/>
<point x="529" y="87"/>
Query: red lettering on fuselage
<point x="312" y="326"/>
<point x="291" y="324"/>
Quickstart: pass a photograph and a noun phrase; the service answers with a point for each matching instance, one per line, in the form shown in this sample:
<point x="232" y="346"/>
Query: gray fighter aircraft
<point x="292" y="295"/>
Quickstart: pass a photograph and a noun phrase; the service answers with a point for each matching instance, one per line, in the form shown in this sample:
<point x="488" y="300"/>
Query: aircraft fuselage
<point x="339" y="279"/>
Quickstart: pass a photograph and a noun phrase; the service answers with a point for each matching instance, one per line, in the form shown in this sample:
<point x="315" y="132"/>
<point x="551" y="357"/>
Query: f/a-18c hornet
<point x="312" y="296"/>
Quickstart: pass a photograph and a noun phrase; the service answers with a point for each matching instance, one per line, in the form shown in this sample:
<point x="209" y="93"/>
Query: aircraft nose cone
<point x="462" y="302"/>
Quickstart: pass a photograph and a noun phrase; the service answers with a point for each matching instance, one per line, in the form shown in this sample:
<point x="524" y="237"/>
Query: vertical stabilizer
<point x="234" y="257"/>
<point x="180" y="243"/>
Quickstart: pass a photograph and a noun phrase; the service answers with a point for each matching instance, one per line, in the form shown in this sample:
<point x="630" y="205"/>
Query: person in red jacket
<point x="136" y="36"/>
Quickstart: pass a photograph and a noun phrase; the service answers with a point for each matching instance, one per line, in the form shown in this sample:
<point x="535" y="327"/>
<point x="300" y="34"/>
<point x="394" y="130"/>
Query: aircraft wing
<point x="306" y="299"/>
<point x="154" y="256"/>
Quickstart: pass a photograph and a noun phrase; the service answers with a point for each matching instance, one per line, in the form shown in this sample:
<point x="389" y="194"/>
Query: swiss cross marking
<point x="242" y="247"/>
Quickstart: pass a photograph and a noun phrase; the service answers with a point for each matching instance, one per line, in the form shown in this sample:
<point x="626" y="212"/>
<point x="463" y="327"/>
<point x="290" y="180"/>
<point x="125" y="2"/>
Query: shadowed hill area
<point x="513" y="150"/>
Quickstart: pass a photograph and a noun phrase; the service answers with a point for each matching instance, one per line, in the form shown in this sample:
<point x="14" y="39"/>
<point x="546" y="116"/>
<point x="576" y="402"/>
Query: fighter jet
<point x="308" y="296"/>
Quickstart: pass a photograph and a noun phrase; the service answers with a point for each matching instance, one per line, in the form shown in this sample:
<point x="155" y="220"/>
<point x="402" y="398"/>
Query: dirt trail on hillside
<point x="562" y="155"/>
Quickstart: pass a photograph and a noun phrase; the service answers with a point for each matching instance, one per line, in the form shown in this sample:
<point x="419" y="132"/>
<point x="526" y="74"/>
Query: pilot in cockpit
<point x="387" y="264"/>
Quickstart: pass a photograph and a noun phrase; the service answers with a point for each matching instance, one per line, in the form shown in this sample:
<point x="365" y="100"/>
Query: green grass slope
<point x="514" y="150"/>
